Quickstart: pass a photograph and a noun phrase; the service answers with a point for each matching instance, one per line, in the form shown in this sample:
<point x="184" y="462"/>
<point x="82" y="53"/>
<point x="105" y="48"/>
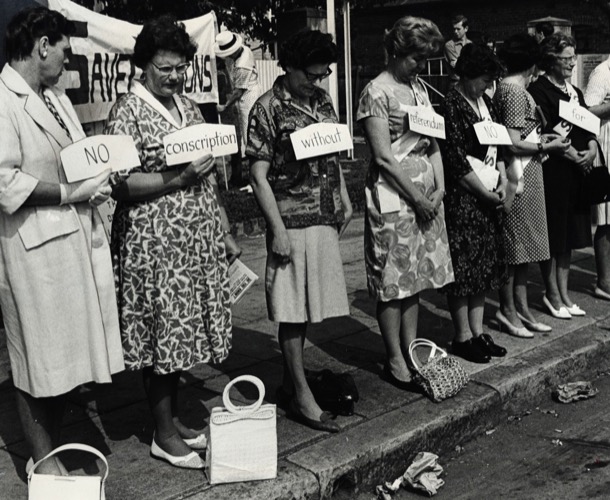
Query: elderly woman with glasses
<point x="306" y="206"/>
<point x="568" y="214"/>
<point x="171" y="242"/>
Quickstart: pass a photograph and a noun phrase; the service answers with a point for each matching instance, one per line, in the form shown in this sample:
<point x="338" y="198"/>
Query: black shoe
<point x="470" y="351"/>
<point x="389" y="377"/>
<point x="326" y="422"/>
<point x="487" y="344"/>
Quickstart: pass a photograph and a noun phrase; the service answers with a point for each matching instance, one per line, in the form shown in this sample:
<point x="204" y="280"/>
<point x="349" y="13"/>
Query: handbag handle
<point x="244" y="410"/>
<point x="424" y="343"/>
<point x="73" y="446"/>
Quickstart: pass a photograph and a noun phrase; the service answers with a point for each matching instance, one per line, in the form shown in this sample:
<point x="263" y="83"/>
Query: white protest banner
<point x="240" y="279"/>
<point x="579" y="116"/>
<point x="426" y="121"/>
<point x="491" y="133"/>
<point x="100" y="69"/>
<point x="321" y="139"/>
<point x="91" y="156"/>
<point x="190" y="143"/>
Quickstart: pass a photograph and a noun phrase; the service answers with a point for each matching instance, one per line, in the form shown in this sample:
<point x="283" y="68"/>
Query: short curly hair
<point x="31" y="24"/>
<point x="552" y="46"/>
<point x="477" y="60"/>
<point x="307" y="47"/>
<point x="519" y="53"/>
<point x="413" y="35"/>
<point x="162" y="33"/>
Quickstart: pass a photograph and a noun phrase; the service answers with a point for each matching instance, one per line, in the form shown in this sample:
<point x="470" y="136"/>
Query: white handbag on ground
<point x="243" y="439"/>
<point x="50" y="487"/>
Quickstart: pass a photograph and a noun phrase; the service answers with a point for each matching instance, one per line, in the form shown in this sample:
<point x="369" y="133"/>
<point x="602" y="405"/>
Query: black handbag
<point x="334" y="392"/>
<point x="596" y="184"/>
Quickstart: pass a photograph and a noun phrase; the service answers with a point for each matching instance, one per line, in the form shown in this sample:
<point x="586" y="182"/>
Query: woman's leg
<point x="41" y="422"/>
<point x="390" y="319"/>
<point x="408" y="321"/>
<point x="507" y="298"/>
<point x="291" y="338"/>
<point x="183" y="431"/>
<point x="548" y="268"/>
<point x="563" y="273"/>
<point x="159" y="389"/>
<point x="476" y="307"/>
<point x="601" y="245"/>
<point x="458" y="308"/>
<point x="520" y="288"/>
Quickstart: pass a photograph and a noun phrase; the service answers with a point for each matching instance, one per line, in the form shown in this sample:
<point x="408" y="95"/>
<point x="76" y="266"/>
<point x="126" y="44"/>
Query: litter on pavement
<point x="422" y="475"/>
<point x="574" y="391"/>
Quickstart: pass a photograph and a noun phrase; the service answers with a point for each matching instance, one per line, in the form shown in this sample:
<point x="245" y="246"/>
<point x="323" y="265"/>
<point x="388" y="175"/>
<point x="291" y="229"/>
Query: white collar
<point x="143" y="93"/>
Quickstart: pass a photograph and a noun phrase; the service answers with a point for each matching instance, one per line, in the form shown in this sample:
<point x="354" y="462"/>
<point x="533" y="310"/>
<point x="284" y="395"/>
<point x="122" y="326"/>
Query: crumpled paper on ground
<point x="574" y="391"/>
<point x="423" y="475"/>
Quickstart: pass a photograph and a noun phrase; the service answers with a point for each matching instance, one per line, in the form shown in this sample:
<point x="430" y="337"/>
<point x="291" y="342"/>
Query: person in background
<point x="525" y="230"/>
<point x="568" y="213"/>
<point x="171" y="242"/>
<point x="406" y="251"/>
<point x="307" y="208"/>
<point x="246" y="89"/>
<point x="57" y="295"/>
<point x="454" y="47"/>
<point x="543" y="30"/>
<point x="474" y="212"/>
<point x="597" y="97"/>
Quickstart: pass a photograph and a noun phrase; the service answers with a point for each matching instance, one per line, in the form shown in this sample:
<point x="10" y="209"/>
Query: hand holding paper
<point x="95" y="190"/>
<point x="198" y="169"/>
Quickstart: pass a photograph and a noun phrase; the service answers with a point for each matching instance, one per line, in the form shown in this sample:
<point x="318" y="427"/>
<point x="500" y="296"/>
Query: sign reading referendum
<point x="426" y="121"/>
<point x="321" y="139"/>
<point x="190" y="143"/>
<point x="492" y="134"/>
<point x="579" y="116"/>
<point x="91" y="156"/>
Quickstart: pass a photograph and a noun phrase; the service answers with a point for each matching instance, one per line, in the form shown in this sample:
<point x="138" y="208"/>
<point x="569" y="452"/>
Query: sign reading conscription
<point x="191" y="143"/>
<point x="91" y="156"/>
<point x="321" y="139"/>
<point x="579" y="116"/>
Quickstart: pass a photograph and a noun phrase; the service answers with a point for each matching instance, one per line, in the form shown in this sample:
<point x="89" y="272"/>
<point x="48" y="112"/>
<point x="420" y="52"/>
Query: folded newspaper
<point x="240" y="279"/>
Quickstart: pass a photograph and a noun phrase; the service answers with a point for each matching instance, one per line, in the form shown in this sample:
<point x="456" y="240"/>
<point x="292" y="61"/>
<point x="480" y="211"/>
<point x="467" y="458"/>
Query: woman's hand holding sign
<point x="197" y="170"/>
<point x="95" y="190"/>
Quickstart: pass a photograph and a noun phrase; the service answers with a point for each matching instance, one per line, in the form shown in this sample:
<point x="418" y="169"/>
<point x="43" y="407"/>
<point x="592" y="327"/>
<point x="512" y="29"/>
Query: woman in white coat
<point x="56" y="282"/>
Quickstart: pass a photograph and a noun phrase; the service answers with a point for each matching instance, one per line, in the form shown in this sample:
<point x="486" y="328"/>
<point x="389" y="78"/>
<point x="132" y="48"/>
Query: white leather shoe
<point x="534" y="326"/>
<point x="561" y="313"/>
<point x="574" y="310"/>
<point x="515" y="331"/>
<point x="601" y="294"/>
<point x="190" y="461"/>
<point x="197" y="443"/>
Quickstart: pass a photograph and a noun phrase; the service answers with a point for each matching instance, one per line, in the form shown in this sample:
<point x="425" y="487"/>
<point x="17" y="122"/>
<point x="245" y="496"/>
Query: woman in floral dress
<point x="406" y="248"/>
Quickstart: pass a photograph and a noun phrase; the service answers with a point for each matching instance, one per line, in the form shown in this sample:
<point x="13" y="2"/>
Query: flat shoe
<point x="574" y="310"/>
<point x="325" y="423"/>
<point x="561" y="313"/>
<point x="405" y="385"/>
<point x="190" y="461"/>
<point x="197" y="443"/>
<point x="488" y="345"/>
<point x="513" y="330"/>
<point x="601" y="294"/>
<point x="534" y="326"/>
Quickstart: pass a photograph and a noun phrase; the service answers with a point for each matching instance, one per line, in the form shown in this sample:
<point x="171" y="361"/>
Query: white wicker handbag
<point x="50" y="487"/>
<point x="243" y="439"/>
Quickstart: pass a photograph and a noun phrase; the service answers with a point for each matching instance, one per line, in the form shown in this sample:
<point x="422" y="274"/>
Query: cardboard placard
<point x="91" y="156"/>
<point x="579" y="116"/>
<point x="191" y="143"/>
<point x="321" y="139"/>
<point x="492" y="134"/>
<point x="426" y="121"/>
<point x="241" y="277"/>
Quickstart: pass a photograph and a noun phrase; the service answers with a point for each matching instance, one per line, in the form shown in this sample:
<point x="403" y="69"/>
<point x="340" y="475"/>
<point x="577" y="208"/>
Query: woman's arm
<point x="232" y="248"/>
<point x="234" y="96"/>
<point x="346" y="203"/>
<point x="378" y="136"/>
<point x="434" y="153"/>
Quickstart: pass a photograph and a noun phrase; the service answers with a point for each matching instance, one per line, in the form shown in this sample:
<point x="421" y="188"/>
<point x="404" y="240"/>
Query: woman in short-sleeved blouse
<point x="406" y="247"/>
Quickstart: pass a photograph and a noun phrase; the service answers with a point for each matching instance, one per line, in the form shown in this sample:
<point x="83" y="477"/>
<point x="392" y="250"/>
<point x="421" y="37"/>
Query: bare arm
<point x="346" y="203"/>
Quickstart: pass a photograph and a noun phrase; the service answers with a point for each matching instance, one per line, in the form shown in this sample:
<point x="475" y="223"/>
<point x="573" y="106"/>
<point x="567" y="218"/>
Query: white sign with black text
<point x="579" y="116"/>
<point x="191" y="143"/>
<point x="492" y="134"/>
<point x="321" y="139"/>
<point x="426" y="121"/>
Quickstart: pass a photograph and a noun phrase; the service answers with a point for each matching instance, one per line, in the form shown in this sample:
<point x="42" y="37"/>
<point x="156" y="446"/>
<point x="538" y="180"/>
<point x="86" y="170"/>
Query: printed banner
<point x="100" y="69"/>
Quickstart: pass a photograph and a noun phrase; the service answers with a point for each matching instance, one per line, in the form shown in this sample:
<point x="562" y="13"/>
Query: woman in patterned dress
<point x="474" y="211"/>
<point x="525" y="230"/>
<point x="406" y="248"/>
<point x="568" y="213"/>
<point x="171" y="243"/>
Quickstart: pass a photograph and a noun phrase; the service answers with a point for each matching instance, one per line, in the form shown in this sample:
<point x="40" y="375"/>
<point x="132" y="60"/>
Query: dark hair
<point x="551" y="47"/>
<point x="307" y="47"/>
<point x="545" y="28"/>
<point x="162" y="33"/>
<point x="30" y="25"/>
<point x="477" y="60"/>
<point x="519" y="53"/>
<point x="460" y="18"/>
<point x="413" y="35"/>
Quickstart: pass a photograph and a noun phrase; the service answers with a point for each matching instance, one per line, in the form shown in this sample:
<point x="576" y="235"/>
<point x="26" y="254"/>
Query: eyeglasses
<point x="312" y="77"/>
<point x="567" y="59"/>
<point x="168" y="70"/>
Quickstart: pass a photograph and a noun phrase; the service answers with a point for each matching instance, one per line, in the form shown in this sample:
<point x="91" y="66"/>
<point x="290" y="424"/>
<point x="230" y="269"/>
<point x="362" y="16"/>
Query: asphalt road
<point x="549" y="450"/>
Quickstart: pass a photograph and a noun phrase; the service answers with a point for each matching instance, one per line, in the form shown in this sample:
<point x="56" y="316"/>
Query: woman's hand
<point x="425" y="209"/>
<point x="437" y="198"/>
<point x="233" y="250"/>
<point x="197" y="170"/>
<point x="95" y="190"/>
<point x="280" y="246"/>
<point x="101" y="195"/>
<point x="585" y="160"/>
<point x="220" y="108"/>
<point x="348" y="212"/>
<point x="556" y="143"/>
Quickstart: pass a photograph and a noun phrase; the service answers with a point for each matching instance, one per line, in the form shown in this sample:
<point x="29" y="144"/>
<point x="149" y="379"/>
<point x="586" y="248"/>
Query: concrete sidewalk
<point x="376" y="444"/>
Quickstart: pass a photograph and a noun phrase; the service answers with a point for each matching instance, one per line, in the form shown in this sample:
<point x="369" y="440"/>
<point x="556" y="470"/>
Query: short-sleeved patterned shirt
<point x="307" y="191"/>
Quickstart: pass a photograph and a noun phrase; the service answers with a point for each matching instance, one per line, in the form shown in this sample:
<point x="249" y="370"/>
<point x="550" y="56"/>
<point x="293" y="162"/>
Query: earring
<point x="44" y="54"/>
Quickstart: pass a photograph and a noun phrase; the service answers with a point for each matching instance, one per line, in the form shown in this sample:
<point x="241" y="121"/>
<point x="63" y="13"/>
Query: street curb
<point x="380" y="449"/>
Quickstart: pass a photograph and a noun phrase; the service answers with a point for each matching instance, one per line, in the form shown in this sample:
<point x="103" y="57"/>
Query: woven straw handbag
<point x="243" y="439"/>
<point x="441" y="376"/>
<point x="50" y="487"/>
